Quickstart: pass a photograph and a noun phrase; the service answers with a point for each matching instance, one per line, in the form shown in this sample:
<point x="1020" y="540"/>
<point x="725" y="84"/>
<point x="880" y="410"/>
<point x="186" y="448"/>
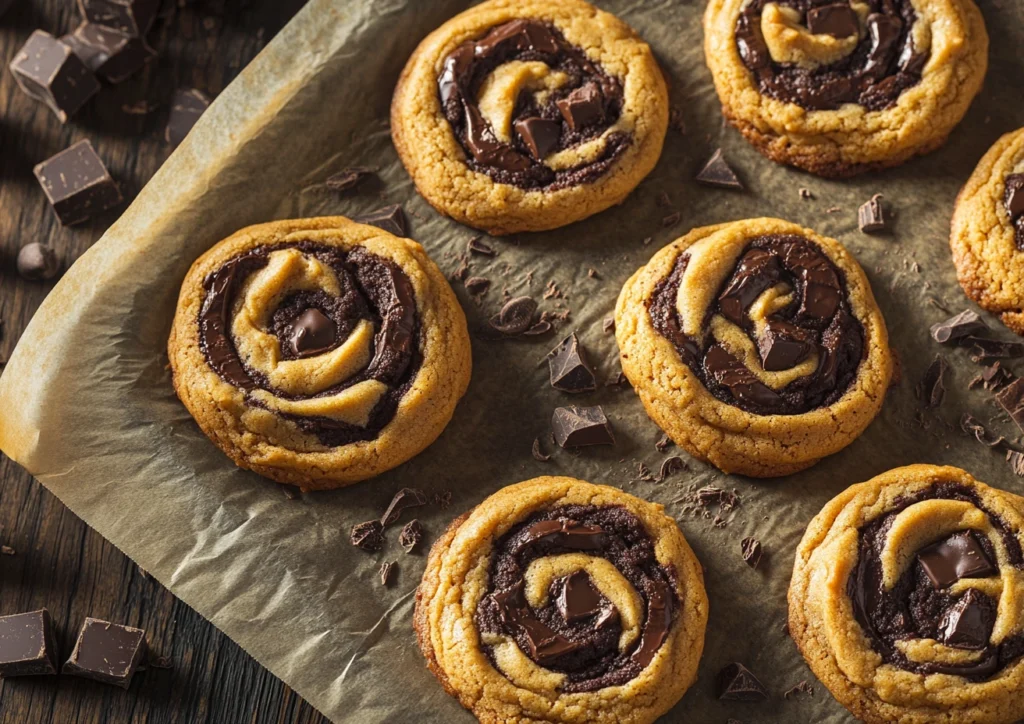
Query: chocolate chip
<point x="1011" y="399"/>
<point x="568" y="368"/>
<point x="476" y="246"/>
<point x="838" y="20"/>
<point x="49" y="71"/>
<point x="541" y="136"/>
<point x="737" y="683"/>
<point x="313" y="333"/>
<point x="965" y="324"/>
<point x="77" y="184"/>
<point x="871" y="216"/>
<point x="539" y="454"/>
<point x="186" y="108"/>
<point x="477" y="285"/>
<point x="348" y="179"/>
<point x="751" y="550"/>
<point x="369" y="536"/>
<point x="581" y="426"/>
<point x="110" y="54"/>
<point x="385" y="572"/>
<point x="515" y="317"/>
<point x="932" y="387"/>
<point x="36" y="261"/>
<point x="28" y="646"/>
<point x="411" y="535"/>
<point x="669" y="466"/>
<point x="968" y="623"/>
<point x="583" y="107"/>
<point x="958" y="556"/>
<point x="390" y="218"/>
<point x="404" y="498"/>
<point x="717" y="173"/>
<point x="675" y="121"/>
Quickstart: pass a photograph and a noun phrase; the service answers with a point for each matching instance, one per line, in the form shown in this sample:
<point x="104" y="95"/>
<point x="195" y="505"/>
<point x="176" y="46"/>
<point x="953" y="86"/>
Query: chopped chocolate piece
<point x="541" y="327"/>
<point x="28" y="646"/>
<point x="568" y="368"/>
<point x="968" y="623"/>
<point x="593" y="274"/>
<point x="411" y="535"/>
<point x="583" y="107"/>
<point x="783" y="345"/>
<point x="838" y="20"/>
<point x="129" y="16"/>
<point x="369" y="535"/>
<point x="77" y="184"/>
<point x="390" y="218"/>
<point x="539" y="454"/>
<point x="644" y="473"/>
<point x="932" y="387"/>
<point x="477" y="285"/>
<point x="737" y="683"/>
<point x="664" y="443"/>
<point x="751" y="550"/>
<point x="578" y="599"/>
<point x="541" y="136"/>
<point x="476" y="246"/>
<point x="515" y="317"/>
<point x="106" y="652"/>
<point x="608" y="325"/>
<point x="717" y="173"/>
<point x="1015" y="197"/>
<point x="37" y="261"/>
<point x="806" y="194"/>
<point x="348" y="179"/>
<point x="50" y="72"/>
<point x="871" y="215"/>
<point x="972" y="426"/>
<point x="802" y="688"/>
<point x="385" y="572"/>
<point x="186" y="108"/>
<point x="1011" y="399"/>
<point x="995" y="376"/>
<point x="965" y="324"/>
<point x="959" y="556"/>
<point x="982" y="348"/>
<point x="669" y="466"/>
<point x="404" y="498"/>
<point x="313" y="333"/>
<point x="1016" y="461"/>
<point x="579" y="426"/>
<point x="109" y="53"/>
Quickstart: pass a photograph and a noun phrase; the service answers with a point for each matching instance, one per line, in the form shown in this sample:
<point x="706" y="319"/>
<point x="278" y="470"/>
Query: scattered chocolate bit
<point x="838" y="20"/>
<point x="28" y="646"/>
<point x="675" y="121"/>
<point x="710" y="495"/>
<point x="802" y="688"/>
<point x="982" y="348"/>
<point x="671" y="219"/>
<point x="871" y="215"/>
<point x="972" y="426"/>
<point x="1011" y="399"/>
<point x="592" y="273"/>
<point x="664" y="443"/>
<point x="958" y="556"/>
<point x="369" y="536"/>
<point x="995" y="376"/>
<point x="1016" y="461"/>
<point x="7" y="551"/>
<point x="932" y="387"/>
<point x="110" y="54"/>
<point x="965" y="324"/>
<point x="644" y="474"/>
<point x="385" y="572"/>
<point x="348" y="179"/>
<point x="737" y="683"/>
<point x="806" y="194"/>
<point x="443" y="500"/>
<point x="751" y="550"/>
<point x="106" y="652"/>
<point x="580" y="426"/>
<point x="539" y="454"/>
<point x="411" y="535"/>
<point x="608" y="325"/>
<point x="37" y="261"/>
<point x="49" y="71"/>
<point x="669" y="466"/>
<point x="540" y="328"/>
<point x="664" y="199"/>
<point x="477" y="285"/>
<point x="968" y="623"/>
<point x="77" y="184"/>
<point x="568" y="368"/>
<point x="129" y="16"/>
<point x="717" y="173"/>
<point x="476" y="246"/>
<point x="515" y="317"/>
<point x="390" y="218"/>
<point x="186" y="108"/>
<point x="289" y="492"/>
<point x="833" y="209"/>
<point x="404" y="498"/>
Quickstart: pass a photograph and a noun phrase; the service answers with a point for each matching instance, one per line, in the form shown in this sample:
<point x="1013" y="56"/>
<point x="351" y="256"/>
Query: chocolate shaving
<point x="982" y="348"/>
<point x="477" y="285"/>
<point x="538" y="454"/>
<point x="717" y="173"/>
<point x="751" y="550"/>
<point x="972" y="426"/>
<point x="932" y="387"/>
<point x="965" y="324"/>
<point x="404" y="498"/>
<point x="608" y="325"/>
<point x="348" y="179"/>
<point x="476" y="246"/>
<point x="369" y="536"/>
<point x="385" y="572"/>
<point x="664" y="443"/>
<point x="515" y="317"/>
<point x="411" y="535"/>
<point x="1011" y="399"/>
<point x="1016" y="461"/>
<point x="670" y="465"/>
<point x="538" y="329"/>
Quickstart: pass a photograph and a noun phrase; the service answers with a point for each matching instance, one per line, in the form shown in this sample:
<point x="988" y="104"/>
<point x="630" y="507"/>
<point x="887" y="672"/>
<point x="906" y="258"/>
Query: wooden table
<point x="58" y="562"/>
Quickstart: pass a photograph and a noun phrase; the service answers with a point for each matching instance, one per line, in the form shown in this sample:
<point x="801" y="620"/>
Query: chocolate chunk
<point x="932" y="387"/>
<point x="751" y="550"/>
<point x="578" y="599"/>
<point x="348" y="179"/>
<point x="982" y="348"/>
<point x="838" y="20"/>
<point x="741" y="382"/>
<point x="568" y="368"/>
<point x="106" y="652"/>
<point x="583" y="107"/>
<point x="477" y="246"/>
<point x="783" y="345"/>
<point x="580" y="426"/>
<point x="541" y="136"/>
<point x="672" y="219"/>
<point x="50" y="72"/>
<point x="110" y="54"/>
<point x="669" y="466"/>
<point x="968" y="624"/>
<point x="390" y="218"/>
<point x="539" y="454"/>
<point x="369" y="535"/>
<point x="313" y="333"/>
<point x="385" y="572"/>
<point x="28" y="646"/>
<point x="737" y="683"/>
<point x="477" y="285"/>
<point x="133" y="17"/>
<point x="757" y="271"/>
<point x="717" y="173"/>
<point x="958" y="556"/>
<point x="871" y="216"/>
<point x="1011" y="399"/>
<point x="404" y="498"/>
<point x="77" y="184"/>
<point x="1015" y="196"/>
<point x="37" y="261"/>
<point x="186" y="108"/>
<point x="545" y="644"/>
<point x="965" y="324"/>
<point x="885" y="33"/>
<point x="411" y="535"/>
<point x="515" y="317"/>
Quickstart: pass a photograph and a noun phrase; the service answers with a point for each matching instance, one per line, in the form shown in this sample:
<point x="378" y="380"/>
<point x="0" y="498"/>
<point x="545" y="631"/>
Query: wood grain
<point x="59" y="562"/>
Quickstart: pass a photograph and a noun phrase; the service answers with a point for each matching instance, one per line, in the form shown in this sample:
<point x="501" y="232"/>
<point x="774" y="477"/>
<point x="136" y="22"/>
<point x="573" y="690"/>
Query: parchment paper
<point x="89" y="409"/>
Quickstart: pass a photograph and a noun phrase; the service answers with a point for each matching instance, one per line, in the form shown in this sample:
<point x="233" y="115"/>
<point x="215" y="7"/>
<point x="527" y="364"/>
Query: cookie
<point x="987" y="233"/>
<point x="319" y="352"/>
<point x="755" y="345"/>
<point x="906" y="598"/>
<point x="838" y="88"/>
<point x="525" y="115"/>
<point x="557" y="600"/>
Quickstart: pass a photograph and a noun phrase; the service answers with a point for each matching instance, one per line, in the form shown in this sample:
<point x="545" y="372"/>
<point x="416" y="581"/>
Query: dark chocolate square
<point x="107" y="652"/>
<point x="133" y="17"/>
<point x="110" y="54"/>
<point x="27" y="644"/>
<point x="188" y="105"/>
<point x="77" y="184"/>
<point x="49" y="71"/>
<point x="958" y="556"/>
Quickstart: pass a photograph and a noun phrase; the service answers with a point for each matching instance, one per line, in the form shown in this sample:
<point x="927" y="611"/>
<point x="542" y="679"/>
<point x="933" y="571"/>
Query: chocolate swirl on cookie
<point x="927" y="586"/>
<point x="322" y="337"/>
<point x="530" y="109"/>
<point x="779" y="336"/>
<point x="579" y="590"/>
<point x="821" y="54"/>
<point x="1013" y="199"/>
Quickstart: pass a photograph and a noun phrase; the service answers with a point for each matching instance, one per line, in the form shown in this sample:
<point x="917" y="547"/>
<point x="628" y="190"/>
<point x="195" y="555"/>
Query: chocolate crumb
<point x="538" y="453"/>
<point x="477" y="246"/>
<point x="644" y="473"/>
<point x="802" y="688"/>
<point x="972" y="426"/>
<point x="675" y="121"/>
<point x="289" y="492"/>
<point x="932" y="387"/>
<point x="159" y="662"/>
<point x="663" y="199"/>
<point x="369" y="536"/>
<point x="806" y="194"/>
<point x="443" y="500"/>
<point x="1016" y="461"/>
<point x="411" y="535"/>
<point x="385" y="572"/>
<point x="390" y="218"/>
<point x="540" y="328"/>
<point x="592" y="273"/>
<point x="751" y="551"/>
<point x="984" y="349"/>
<point x="404" y="498"/>
<point x="348" y="179"/>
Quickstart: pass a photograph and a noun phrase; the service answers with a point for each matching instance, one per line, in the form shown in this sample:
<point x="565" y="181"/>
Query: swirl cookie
<point x="846" y="86"/>
<point x="987" y="235"/>
<point x="319" y="352"/>
<point x="906" y="598"/>
<point x="561" y="601"/>
<point x="524" y="115"/>
<point x="756" y="345"/>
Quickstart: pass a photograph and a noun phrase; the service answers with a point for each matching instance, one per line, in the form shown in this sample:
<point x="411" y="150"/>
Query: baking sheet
<point x="90" y="411"/>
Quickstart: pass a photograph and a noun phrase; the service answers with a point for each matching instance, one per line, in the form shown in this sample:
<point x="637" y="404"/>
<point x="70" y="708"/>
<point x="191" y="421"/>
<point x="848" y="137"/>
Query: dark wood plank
<point x="59" y="562"/>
